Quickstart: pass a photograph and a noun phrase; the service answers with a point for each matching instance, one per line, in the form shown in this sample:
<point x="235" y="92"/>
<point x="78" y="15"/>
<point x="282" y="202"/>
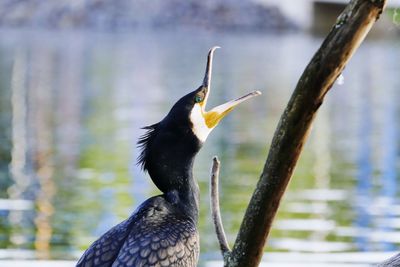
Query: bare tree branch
<point x="215" y="212"/>
<point x="318" y="77"/>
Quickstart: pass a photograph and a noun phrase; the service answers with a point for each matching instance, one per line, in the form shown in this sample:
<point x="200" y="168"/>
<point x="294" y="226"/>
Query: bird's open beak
<point x="213" y="116"/>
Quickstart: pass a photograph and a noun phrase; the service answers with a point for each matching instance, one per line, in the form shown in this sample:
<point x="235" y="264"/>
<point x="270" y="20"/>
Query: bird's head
<point x="187" y="121"/>
<point x="193" y="105"/>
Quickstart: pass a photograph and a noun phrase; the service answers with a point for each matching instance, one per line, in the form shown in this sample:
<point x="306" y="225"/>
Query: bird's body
<point x="157" y="234"/>
<point x="163" y="229"/>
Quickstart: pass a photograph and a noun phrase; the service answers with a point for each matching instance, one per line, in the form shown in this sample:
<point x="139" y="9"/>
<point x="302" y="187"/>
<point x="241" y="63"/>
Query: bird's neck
<point x="172" y="173"/>
<point x="168" y="153"/>
<point x="186" y="199"/>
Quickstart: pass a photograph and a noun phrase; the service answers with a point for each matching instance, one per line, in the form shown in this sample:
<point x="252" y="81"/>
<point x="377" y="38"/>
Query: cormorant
<point x="163" y="230"/>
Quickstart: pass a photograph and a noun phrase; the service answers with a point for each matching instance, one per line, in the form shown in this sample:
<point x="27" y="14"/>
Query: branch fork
<point x="291" y="133"/>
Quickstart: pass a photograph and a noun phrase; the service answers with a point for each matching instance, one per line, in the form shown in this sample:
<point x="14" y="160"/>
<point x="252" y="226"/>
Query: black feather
<point x="144" y="144"/>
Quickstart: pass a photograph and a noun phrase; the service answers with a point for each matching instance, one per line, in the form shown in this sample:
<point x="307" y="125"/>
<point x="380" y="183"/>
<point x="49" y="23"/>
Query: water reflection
<point x="19" y="218"/>
<point x="71" y="110"/>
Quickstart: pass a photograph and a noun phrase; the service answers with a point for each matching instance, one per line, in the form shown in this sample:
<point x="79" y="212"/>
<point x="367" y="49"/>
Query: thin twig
<point x="215" y="211"/>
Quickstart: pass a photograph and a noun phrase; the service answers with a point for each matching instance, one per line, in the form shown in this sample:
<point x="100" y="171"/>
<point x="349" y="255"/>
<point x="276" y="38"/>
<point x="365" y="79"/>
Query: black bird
<point x="163" y="229"/>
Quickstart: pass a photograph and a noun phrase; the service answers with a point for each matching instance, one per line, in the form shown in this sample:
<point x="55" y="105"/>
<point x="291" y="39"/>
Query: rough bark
<point x="318" y="77"/>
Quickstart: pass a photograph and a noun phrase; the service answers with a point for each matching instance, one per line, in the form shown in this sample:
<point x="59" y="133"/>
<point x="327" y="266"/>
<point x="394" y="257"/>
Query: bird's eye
<point x="198" y="98"/>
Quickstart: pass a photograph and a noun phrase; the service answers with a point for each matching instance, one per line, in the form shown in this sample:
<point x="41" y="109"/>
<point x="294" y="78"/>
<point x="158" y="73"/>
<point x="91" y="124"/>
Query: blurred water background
<point x="72" y="103"/>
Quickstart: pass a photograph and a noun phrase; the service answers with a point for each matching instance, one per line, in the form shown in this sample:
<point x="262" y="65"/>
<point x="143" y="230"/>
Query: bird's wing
<point x="153" y="236"/>
<point x="160" y="239"/>
<point x="104" y="250"/>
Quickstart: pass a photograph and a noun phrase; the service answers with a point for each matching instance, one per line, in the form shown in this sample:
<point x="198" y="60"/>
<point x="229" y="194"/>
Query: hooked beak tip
<point x="213" y="49"/>
<point x="207" y="75"/>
